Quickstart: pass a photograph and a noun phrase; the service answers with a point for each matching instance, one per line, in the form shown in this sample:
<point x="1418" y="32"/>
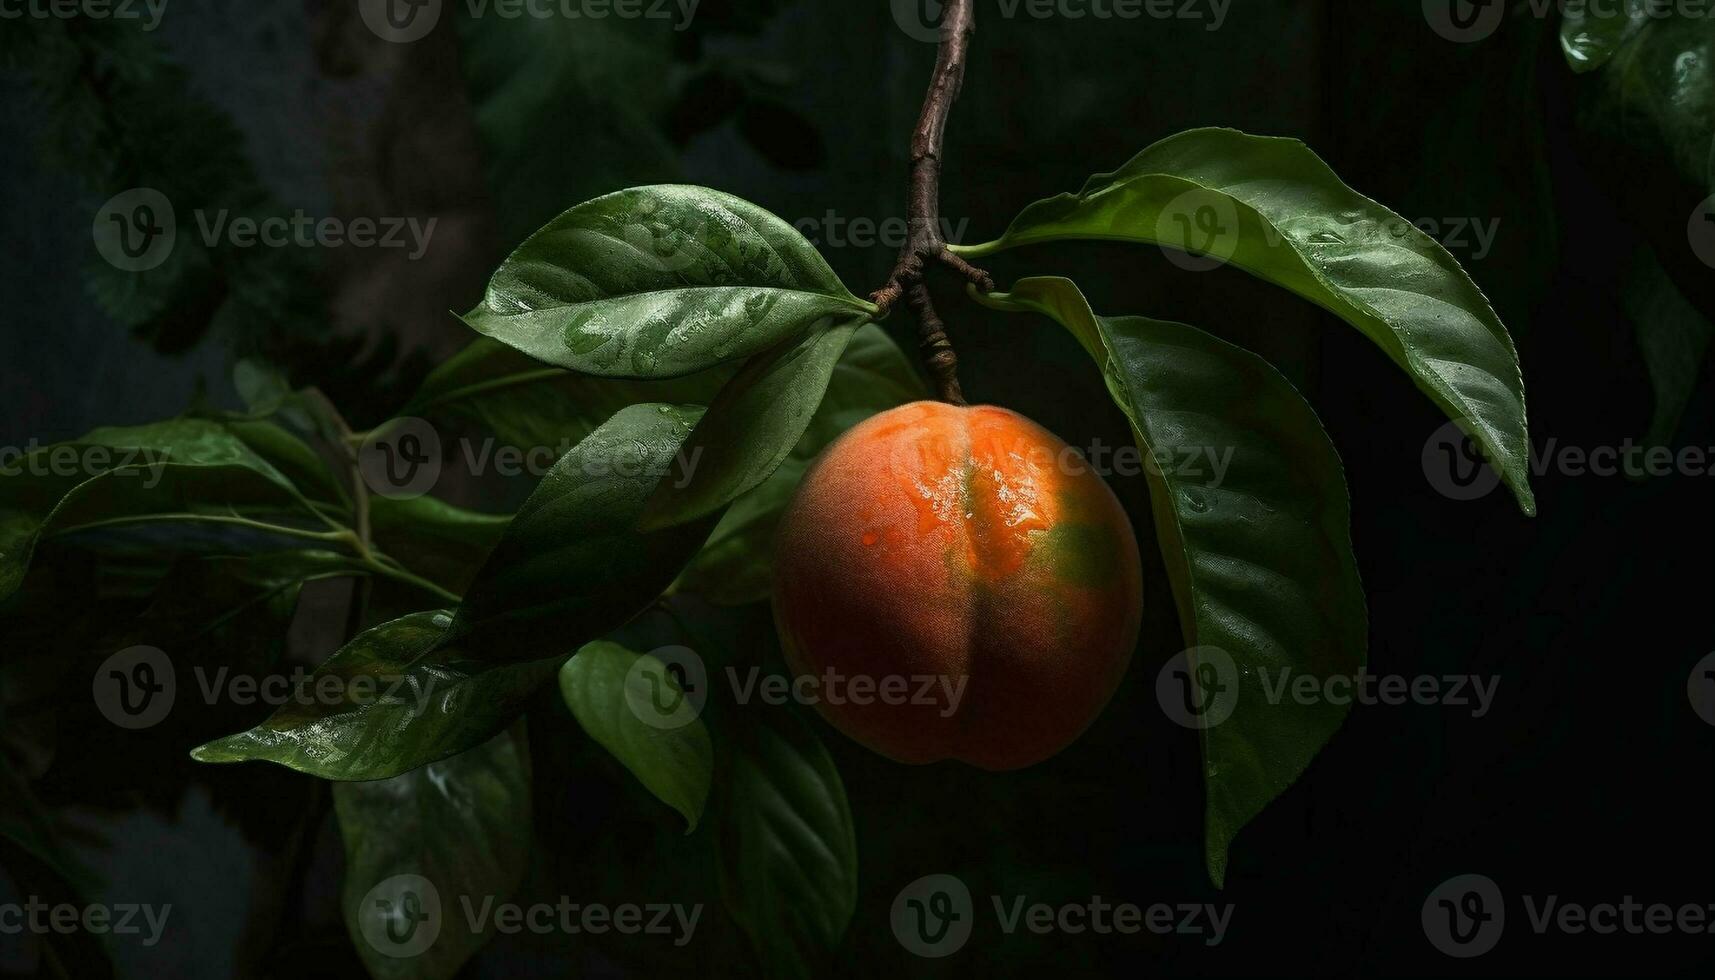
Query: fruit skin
<point x="942" y="541"/>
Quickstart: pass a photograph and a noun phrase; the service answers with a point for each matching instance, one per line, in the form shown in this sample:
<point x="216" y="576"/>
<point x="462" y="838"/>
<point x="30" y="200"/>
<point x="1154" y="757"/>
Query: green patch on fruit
<point x="1083" y="555"/>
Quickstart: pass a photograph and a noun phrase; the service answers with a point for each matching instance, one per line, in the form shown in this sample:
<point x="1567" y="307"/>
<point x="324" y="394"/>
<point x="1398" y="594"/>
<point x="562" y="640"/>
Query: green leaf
<point x="433" y="842"/>
<point x="444" y="543"/>
<point x="569" y="567"/>
<point x="39" y="864"/>
<point x="614" y="694"/>
<point x="1674" y="338"/>
<point x="750" y="427"/>
<point x="26" y="822"/>
<point x="657" y="282"/>
<point x="181" y="470"/>
<point x="263" y="388"/>
<point x="788" y="855"/>
<point x="268" y="394"/>
<point x="218" y="607"/>
<point x="396" y="697"/>
<point x="1272" y="208"/>
<point x="527" y="404"/>
<point x="735" y="565"/>
<point x="1657" y="87"/>
<point x="573" y="564"/>
<point x="1260" y="556"/>
<point x="1591" y="33"/>
<point x="526" y="76"/>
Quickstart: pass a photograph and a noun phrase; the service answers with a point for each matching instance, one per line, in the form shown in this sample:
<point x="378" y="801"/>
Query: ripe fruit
<point x="935" y="545"/>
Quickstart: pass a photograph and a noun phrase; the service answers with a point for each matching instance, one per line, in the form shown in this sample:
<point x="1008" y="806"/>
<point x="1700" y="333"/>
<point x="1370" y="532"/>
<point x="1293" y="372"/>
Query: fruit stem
<point x="923" y="242"/>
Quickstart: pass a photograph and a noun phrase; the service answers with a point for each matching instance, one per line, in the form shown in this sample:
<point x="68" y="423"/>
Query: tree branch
<point x="923" y="242"/>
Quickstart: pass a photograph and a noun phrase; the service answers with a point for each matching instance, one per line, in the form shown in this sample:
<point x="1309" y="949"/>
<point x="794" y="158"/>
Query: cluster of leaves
<point x="116" y="113"/>
<point x="670" y="323"/>
<point x="1650" y="93"/>
<point x="638" y="97"/>
<point x="666" y="323"/>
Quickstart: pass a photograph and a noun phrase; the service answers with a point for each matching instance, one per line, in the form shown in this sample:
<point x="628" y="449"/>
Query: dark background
<point x="1589" y="780"/>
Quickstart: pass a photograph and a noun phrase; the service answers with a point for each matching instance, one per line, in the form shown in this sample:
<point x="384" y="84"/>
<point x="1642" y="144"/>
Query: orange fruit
<point x="955" y="583"/>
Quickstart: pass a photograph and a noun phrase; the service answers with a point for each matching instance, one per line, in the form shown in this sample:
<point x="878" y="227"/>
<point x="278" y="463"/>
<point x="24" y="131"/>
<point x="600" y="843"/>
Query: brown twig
<point x="924" y="242"/>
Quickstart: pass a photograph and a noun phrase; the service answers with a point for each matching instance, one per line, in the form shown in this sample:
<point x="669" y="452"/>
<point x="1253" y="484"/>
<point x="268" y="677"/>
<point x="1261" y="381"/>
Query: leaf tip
<point x="1525" y="496"/>
<point x="214" y="752"/>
